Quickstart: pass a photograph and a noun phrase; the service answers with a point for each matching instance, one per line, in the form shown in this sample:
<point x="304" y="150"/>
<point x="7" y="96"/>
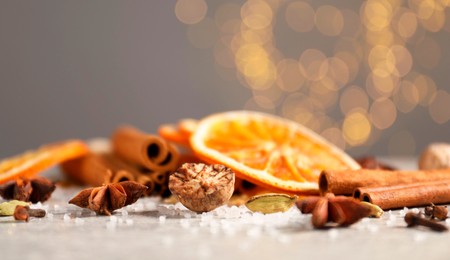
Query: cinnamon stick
<point x="146" y="150"/>
<point x="346" y="181"/>
<point x="137" y="174"/>
<point x="408" y="195"/>
<point x="121" y="175"/>
<point x="147" y="181"/>
<point x="88" y="170"/>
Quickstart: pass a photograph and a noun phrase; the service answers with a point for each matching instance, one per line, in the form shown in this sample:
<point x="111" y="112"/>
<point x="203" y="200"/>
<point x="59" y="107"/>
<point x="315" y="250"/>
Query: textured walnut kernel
<point x="200" y="187"/>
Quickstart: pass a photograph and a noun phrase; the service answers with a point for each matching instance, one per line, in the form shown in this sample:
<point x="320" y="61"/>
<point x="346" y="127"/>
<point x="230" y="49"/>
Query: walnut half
<point x="200" y="187"/>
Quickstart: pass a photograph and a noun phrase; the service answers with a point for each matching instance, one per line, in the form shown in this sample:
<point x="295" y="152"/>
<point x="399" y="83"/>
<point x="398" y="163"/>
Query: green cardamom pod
<point x="271" y="203"/>
<point x="375" y="211"/>
<point x="7" y="208"/>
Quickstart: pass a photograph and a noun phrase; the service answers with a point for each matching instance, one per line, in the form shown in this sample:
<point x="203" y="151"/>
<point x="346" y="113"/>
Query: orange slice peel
<point x="31" y="163"/>
<point x="267" y="150"/>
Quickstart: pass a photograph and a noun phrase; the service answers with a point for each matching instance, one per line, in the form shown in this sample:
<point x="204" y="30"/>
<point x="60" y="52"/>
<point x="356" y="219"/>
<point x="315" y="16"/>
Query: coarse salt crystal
<point x="66" y="217"/>
<point x="162" y="219"/>
<point x="113" y="219"/>
<point x="79" y="221"/>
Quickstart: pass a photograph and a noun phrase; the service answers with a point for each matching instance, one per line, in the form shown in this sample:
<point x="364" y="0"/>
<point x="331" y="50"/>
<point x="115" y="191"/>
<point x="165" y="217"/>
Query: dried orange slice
<point x="31" y="163"/>
<point x="267" y="150"/>
<point x="172" y="134"/>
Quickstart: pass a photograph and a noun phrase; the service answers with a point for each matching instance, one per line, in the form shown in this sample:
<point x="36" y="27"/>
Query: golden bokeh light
<point x="329" y="20"/>
<point x="190" y="11"/>
<point x="383" y="113"/>
<point x="290" y="76"/>
<point x="349" y="74"/>
<point x="407" y="98"/>
<point x="314" y="63"/>
<point x="439" y="108"/>
<point x="334" y="135"/>
<point x="354" y="98"/>
<point x="300" y="16"/>
<point x="407" y="24"/>
<point x="256" y="14"/>
<point x="356" y="128"/>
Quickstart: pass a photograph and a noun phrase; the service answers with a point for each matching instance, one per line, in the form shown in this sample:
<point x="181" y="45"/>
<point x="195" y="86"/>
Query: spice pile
<point x="266" y="163"/>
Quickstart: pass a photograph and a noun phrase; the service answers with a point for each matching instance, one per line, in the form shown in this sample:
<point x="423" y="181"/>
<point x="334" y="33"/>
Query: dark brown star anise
<point x="341" y="210"/>
<point x="107" y="198"/>
<point x="36" y="190"/>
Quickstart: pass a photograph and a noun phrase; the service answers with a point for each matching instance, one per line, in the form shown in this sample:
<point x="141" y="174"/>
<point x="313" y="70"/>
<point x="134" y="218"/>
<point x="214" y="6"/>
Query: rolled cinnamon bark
<point x="161" y="181"/>
<point x="146" y="150"/>
<point x="409" y="195"/>
<point x="346" y="181"/>
<point x="147" y="181"/>
<point x="122" y="175"/>
<point x="88" y="170"/>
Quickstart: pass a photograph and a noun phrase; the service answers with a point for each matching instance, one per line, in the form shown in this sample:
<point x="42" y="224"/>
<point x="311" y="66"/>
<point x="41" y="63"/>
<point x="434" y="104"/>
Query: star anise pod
<point x="107" y="198"/>
<point x="35" y="190"/>
<point x="341" y="210"/>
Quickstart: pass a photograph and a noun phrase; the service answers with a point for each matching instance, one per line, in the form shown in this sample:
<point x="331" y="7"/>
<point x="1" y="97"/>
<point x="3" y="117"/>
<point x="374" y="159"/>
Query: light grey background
<point x="77" y="69"/>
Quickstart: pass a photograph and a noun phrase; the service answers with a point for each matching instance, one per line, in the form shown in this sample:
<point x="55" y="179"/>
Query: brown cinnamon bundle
<point x="148" y="151"/>
<point x="98" y="169"/>
<point x="161" y="180"/>
<point x="88" y="170"/>
<point x="345" y="182"/>
<point x="408" y="195"/>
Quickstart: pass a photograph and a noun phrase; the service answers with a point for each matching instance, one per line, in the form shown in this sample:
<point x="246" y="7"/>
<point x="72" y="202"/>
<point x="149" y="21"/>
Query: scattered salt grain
<point x="124" y="213"/>
<point x="415" y="210"/>
<point x="50" y="216"/>
<point x="162" y="219"/>
<point x="113" y="219"/>
<point x="66" y="217"/>
<point x="79" y="221"/>
<point x="111" y="225"/>
<point x="185" y="223"/>
<point x="129" y="222"/>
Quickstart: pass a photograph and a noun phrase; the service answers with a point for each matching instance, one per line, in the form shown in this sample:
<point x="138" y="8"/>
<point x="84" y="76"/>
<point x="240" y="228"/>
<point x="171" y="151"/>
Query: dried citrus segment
<point x="268" y="150"/>
<point x="31" y="163"/>
<point x="172" y="134"/>
<point x="187" y="126"/>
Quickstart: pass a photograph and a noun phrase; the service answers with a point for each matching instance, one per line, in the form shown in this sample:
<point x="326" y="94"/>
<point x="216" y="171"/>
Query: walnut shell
<point x="200" y="187"/>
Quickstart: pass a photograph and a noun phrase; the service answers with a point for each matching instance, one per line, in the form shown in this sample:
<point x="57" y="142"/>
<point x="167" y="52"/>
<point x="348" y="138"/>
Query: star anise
<point x="341" y="210"/>
<point x="107" y="198"/>
<point x="36" y="190"/>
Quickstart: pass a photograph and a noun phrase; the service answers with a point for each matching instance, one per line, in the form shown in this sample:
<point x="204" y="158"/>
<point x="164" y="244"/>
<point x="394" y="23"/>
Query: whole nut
<point x="200" y="187"/>
<point x="435" y="156"/>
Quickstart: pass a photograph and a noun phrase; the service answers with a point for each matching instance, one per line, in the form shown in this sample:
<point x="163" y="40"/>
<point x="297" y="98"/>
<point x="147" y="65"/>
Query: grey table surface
<point x="151" y="229"/>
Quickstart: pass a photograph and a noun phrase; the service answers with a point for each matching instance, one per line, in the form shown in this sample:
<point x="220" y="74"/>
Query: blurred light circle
<point x="190" y="11"/>
<point x="290" y="77"/>
<point x="356" y="128"/>
<point x="383" y="113"/>
<point x="300" y="16"/>
<point x="353" y="98"/>
<point x="329" y="20"/>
